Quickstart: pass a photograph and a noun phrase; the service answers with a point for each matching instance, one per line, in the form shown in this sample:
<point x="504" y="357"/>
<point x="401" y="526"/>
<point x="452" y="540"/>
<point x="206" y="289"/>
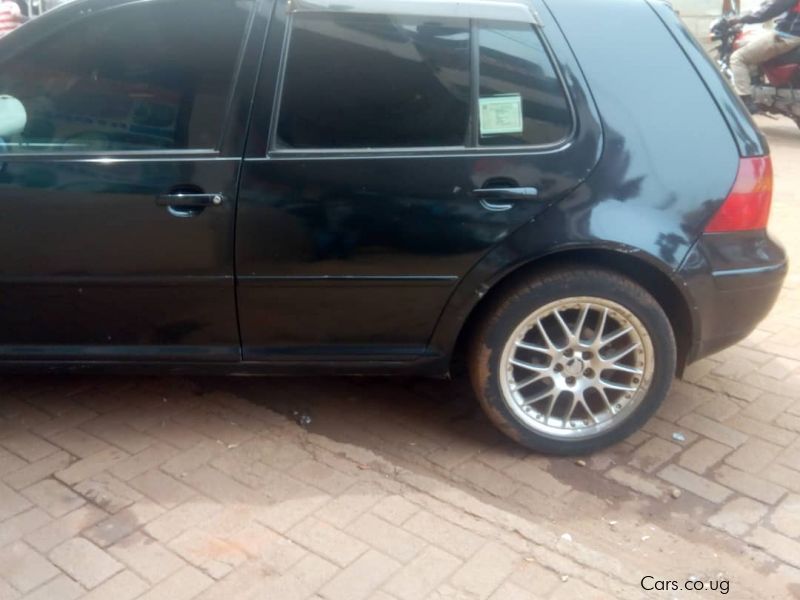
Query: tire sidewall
<point x="518" y="306"/>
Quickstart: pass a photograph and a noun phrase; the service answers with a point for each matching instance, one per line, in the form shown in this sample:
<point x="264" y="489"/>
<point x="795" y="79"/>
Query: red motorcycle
<point x="776" y="83"/>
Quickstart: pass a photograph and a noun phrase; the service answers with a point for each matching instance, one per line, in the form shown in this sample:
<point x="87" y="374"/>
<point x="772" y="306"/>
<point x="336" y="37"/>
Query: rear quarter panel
<point x="669" y="156"/>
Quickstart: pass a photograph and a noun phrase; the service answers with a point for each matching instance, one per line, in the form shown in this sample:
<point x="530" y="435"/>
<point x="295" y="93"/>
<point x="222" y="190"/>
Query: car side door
<point x="388" y="153"/>
<point x="118" y="184"/>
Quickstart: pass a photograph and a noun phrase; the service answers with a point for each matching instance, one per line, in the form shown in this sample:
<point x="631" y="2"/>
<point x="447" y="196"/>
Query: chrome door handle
<point x="507" y="193"/>
<point x="190" y="200"/>
<point x="499" y="199"/>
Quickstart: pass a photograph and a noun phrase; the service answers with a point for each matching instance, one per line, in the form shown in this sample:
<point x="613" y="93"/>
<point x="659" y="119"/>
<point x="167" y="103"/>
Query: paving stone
<point x="185" y="516"/>
<point x="211" y="554"/>
<point x="783" y="476"/>
<point x="83" y="561"/>
<point x="703" y="455"/>
<point x="15" y="528"/>
<point x="666" y="431"/>
<point x="90" y="466"/>
<point x="345" y="508"/>
<point x="54" y="497"/>
<point x="511" y="591"/>
<point x="443" y="533"/>
<point x="323" y="477"/>
<point x="275" y="553"/>
<point x="718" y="408"/>
<point x="146" y="557"/>
<point x="770" y="433"/>
<point x="301" y="581"/>
<point x="700" y="486"/>
<point x="639" y="483"/>
<point x="486" y="478"/>
<point x="422" y="575"/>
<point x="26" y="445"/>
<point x="786" y="517"/>
<point x="62" y="529"/>
<point x="791" y="456"/>
<point x="11" y="503"/>
<point x="653" y="454"/>
<point x="10" y="463"/>
<point x="122" y="586"/>
<point x="530" y="575"/>
<point x="749" y="485"/>
<point x="60" y="588"/>
<point x="164" y="489"/>
<point x="107" y="492"/>
<point x="681" y="401"/>
<point x="753" y="456"/>
<point x="143" y="462"/>
<point x="395" y="509"/>
<point x="778" y="545"/>
<point x="531" y="474"/>
<point x="712" y="429"/>
<point x="575" y="588"/>
<point x="388" y="538"/>
<point x="285" y="514"/>
<point x="360" y="580"/>
<point x="767" y="408"/>
<point x="486" y="570"/>
<point x="738" y="516"/>
<point x="121" y="435"/>
<point x="24" y="568"/>
<point x="183" y="585"/>
<point x="79" y="443"/>
<point x="779" y="367"/>
<point x="327" y="541"/>
<point x="192" y="458"/>
<point x="36" y="471"/>
<point x="219" y="486"/>
<point x="123" y="523"/>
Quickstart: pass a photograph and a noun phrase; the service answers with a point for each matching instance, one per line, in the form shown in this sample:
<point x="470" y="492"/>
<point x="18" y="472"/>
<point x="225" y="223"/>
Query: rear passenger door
<point x="388" y="153"/>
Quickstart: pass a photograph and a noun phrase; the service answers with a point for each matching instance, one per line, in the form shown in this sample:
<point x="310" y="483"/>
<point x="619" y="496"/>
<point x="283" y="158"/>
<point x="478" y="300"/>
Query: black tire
<point x="506" y="313"/>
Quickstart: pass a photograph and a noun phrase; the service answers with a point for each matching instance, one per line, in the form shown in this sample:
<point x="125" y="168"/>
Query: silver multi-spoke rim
<point x="577" y="367"/>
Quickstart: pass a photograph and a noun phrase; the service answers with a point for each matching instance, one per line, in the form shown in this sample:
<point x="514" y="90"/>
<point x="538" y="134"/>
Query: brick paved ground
<point x="125" y="488"/>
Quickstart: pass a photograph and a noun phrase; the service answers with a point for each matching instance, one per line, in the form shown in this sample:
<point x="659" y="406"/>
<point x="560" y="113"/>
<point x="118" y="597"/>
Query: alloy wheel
<point x="577" y="367"/>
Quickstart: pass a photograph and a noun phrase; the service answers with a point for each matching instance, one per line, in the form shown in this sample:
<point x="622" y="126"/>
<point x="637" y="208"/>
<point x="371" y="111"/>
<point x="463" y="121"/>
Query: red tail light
<point x="748" y="204"/>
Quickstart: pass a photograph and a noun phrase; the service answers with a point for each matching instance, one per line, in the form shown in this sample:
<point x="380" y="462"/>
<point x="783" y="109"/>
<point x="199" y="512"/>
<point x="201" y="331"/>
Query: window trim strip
<point x="519" y="11"/>
<point x="474" y="147"/>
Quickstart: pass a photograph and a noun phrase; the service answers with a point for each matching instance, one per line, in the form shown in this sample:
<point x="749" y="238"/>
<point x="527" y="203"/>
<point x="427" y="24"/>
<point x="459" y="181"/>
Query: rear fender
<point x="528" y="250"/>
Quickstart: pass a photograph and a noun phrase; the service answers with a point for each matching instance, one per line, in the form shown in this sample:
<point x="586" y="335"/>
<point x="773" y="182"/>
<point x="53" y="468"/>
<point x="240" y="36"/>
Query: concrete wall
<point x="698" y="15"/>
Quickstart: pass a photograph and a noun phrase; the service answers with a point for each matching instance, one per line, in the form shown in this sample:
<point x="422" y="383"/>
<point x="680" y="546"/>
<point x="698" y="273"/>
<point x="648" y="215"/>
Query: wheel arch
<point x="665" y="289"/>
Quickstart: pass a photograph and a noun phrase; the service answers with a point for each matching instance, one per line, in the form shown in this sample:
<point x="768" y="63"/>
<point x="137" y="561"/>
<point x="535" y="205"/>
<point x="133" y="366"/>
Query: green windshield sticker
<point x="501" y="114"/>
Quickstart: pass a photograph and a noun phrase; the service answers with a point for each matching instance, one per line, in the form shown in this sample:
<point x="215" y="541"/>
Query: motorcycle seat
<point x="789" y="58"/>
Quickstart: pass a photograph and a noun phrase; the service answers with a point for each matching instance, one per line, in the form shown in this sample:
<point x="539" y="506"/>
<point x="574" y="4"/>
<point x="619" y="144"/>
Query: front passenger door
<point x="118" y="188"/>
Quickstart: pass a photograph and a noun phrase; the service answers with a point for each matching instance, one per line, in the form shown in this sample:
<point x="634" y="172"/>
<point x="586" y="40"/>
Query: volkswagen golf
<point x="564" y="193"/>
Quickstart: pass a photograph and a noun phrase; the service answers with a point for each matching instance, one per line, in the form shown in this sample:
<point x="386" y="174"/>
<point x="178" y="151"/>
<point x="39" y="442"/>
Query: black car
<point x="565" y="193"/>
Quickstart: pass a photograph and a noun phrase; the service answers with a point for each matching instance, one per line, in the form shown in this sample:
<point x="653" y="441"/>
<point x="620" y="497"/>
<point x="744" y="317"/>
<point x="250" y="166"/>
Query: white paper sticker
<point x="501" y="114"/>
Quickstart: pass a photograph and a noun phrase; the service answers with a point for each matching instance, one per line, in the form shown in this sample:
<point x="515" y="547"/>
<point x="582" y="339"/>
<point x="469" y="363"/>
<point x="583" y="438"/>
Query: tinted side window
<point x="375" y="81"/>
<point x="150" y="75"/>
<point x="522" y="100"/>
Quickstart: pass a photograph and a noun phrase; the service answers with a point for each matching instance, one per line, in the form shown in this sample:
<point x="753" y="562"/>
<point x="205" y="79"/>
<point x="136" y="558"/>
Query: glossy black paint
<point x="367" y="248"/>
<point x="93" y="266"/>
<point x="373" y="262"/>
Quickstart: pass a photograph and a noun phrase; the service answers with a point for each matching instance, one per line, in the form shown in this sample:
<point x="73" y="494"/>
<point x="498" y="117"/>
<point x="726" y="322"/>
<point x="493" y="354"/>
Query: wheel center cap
<point x="573" y="367"/>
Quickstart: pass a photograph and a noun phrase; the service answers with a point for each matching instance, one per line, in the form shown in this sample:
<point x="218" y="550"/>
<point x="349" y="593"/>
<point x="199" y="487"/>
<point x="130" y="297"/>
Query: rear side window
<point x="144" y="76"/>
<point x="375" y="81"/>
<point x="521" y="100"/>
<point x="356" y="81"/>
